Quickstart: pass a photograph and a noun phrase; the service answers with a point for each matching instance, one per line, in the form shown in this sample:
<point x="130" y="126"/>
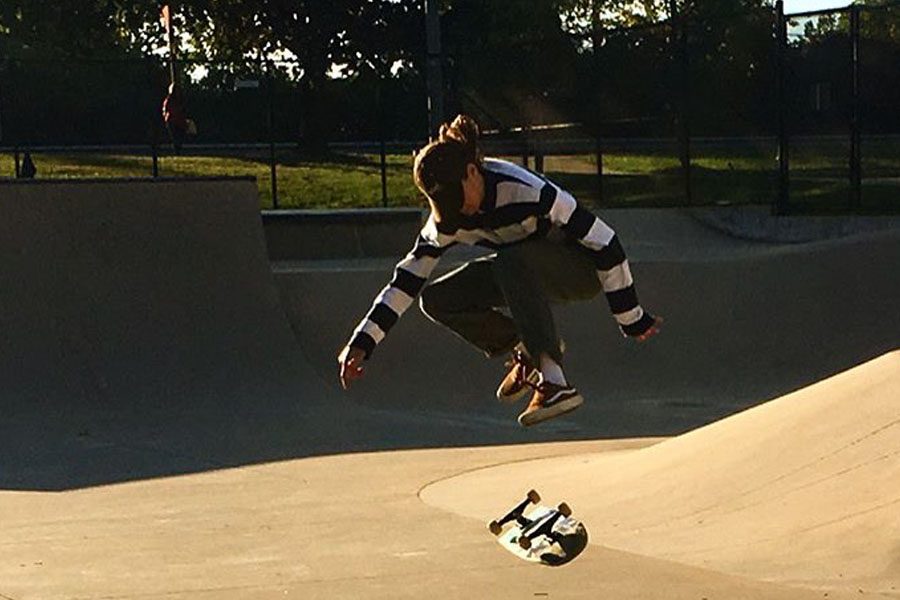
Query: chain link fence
<point x="712" y="106"/>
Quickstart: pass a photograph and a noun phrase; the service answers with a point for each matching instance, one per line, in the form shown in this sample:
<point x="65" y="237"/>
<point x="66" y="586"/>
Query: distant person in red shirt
<point x="175" y="117"/>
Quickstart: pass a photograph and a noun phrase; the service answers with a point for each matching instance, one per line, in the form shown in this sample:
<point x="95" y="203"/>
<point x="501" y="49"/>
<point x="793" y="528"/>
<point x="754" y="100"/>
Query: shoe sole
<point x="513" y="398"/>
<point x="543" y="414"/>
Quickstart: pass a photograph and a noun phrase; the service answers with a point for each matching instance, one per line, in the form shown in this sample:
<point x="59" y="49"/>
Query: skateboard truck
<point x="516" y="514"/>
<point x="545" y="527"/>
<point x="540" y="534"/>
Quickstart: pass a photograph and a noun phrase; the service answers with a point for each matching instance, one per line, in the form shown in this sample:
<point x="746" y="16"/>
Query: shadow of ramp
<point x="145" y="338"/>
<point x="143" y="334"/>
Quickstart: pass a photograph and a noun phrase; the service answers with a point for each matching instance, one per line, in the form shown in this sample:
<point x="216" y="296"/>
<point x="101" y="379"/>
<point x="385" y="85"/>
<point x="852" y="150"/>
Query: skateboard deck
<point x="541" y="534"/>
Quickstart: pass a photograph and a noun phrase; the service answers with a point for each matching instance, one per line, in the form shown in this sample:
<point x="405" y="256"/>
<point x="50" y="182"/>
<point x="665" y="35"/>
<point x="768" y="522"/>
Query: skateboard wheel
<point x="524" y="543"/>
<point x="564" y="510"/>
<point x="534" y="497"/>
<point x="495" y="528"/>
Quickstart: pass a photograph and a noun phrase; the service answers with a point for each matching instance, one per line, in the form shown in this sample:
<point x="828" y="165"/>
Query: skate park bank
<point x="175" y="427"/>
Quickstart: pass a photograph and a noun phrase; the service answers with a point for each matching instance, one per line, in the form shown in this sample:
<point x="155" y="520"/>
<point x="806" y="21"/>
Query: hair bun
<point x="463" y="129"/>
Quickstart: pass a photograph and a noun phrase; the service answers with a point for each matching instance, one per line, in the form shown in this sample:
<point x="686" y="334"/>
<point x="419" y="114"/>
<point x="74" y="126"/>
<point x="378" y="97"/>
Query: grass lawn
<point x="336" y="182"/>
<point x="646" y="178"/>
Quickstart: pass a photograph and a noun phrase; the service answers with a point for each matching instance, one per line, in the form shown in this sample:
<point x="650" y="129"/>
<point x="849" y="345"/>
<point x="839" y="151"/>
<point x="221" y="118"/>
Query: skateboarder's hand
<point x="654" y="330"/>
<point x="351" y="360"/>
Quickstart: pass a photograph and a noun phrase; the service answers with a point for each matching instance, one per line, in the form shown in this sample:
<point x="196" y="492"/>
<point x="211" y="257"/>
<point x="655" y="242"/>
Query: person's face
<point x="473" y="190"/>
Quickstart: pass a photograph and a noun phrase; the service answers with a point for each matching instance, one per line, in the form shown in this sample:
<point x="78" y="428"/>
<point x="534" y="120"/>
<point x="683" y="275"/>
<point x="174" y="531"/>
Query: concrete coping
<point x="757" y="223"/>
<point x="349" y="215"/>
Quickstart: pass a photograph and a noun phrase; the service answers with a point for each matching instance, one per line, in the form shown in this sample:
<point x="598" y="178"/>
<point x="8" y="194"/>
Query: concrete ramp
<point x="143" y="335"/>
<point x="801" y="490"/>
<point x="129" y="293"/>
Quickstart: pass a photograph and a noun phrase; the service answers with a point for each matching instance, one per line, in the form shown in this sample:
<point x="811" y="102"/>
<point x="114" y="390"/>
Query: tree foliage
<point x="357" y="67"/>
<point x="68" y="28"/>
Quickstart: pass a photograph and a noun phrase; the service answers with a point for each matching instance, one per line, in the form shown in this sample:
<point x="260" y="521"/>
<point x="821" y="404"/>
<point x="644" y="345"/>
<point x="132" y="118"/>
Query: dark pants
<point x="524" y="277"/>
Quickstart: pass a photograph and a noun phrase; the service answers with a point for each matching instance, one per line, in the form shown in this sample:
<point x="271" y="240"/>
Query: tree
<point x="821" y="67"/>
<point x="34" y="29"/>
<point x="71" y="64"/>
<point x="312" y="37"/>
<point x="509" y="60"/>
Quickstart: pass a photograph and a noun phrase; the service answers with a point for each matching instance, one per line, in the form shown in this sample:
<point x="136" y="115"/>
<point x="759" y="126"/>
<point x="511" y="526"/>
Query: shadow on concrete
<point x="146" y="337"/>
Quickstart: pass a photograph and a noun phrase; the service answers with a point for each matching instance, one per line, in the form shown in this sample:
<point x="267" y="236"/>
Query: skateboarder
<point x="546" y="248"/>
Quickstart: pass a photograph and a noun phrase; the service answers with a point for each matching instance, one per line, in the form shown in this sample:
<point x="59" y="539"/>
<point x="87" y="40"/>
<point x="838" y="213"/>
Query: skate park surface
<point x="173" y="425"/>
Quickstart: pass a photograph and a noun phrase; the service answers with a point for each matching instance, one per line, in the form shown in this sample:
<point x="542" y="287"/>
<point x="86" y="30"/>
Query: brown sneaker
<point x="521" y="374"/>
<point x="550" y="400"/>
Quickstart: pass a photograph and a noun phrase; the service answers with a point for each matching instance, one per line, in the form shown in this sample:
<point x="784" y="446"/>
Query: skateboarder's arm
<point x="601" y="242"/>
<point x="410" y="276"/>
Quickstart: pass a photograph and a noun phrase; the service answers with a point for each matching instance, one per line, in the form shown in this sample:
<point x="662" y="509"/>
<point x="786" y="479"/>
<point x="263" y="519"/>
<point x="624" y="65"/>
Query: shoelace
<point x="520" y="362"/>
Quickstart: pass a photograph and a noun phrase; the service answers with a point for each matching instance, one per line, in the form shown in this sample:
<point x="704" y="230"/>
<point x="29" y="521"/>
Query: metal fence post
<point x="382" y="147"/>
<point x="154" y="150"/>
<point x="384" y="191"/>
<point x="153" y="118"/>
<point x="599" y="148"/>
<point x="1" y="104"/>
<point x="855" y="125"/>
<point x="273" y="173"/>
<point x="679" y="32"/>
<point x="780" y="205"/>
<point x="434" y="69"/>
<point x="596" y="43"/>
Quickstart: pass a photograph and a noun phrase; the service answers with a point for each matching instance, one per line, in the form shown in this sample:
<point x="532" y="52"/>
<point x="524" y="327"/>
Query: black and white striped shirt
<point x="518" y="204"/>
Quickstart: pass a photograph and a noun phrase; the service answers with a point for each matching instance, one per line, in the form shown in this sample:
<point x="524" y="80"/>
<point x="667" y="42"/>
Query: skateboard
<point x="549" y="536"/>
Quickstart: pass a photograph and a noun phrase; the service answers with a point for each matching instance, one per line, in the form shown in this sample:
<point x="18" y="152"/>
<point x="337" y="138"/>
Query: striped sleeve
<point x="602" y="243"/>
<point x="410" y="276"/>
